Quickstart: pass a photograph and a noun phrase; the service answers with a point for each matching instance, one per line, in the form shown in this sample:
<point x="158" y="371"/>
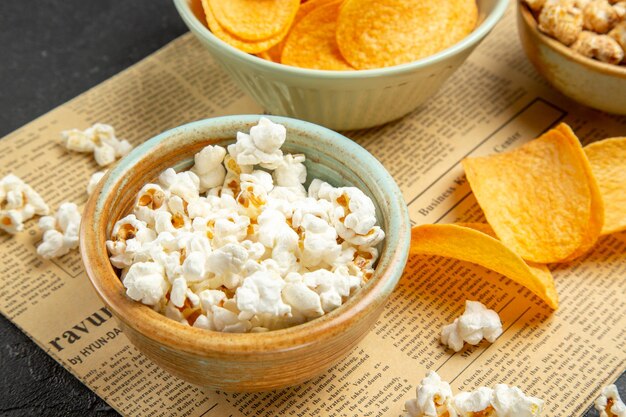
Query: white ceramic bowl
<point x="341" y="100"/>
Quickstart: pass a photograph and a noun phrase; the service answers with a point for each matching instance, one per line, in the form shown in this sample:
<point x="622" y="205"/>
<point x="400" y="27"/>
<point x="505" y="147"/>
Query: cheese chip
<point x="252" y="47"/>
<point x="608" y="163"/>
<point x="541" y="199"/>
<point x="382" y="33"/>
<point x="474" y="243"/>
<point x="312" y="42"/>
<point x="254" y="20"/>
<point x="275" y="53"/>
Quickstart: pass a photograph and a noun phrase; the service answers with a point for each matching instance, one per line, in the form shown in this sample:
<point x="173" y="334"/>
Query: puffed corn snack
<point x="238" y="244"/>
<point x="434" y="399"/>
<point x="18" y="203"/>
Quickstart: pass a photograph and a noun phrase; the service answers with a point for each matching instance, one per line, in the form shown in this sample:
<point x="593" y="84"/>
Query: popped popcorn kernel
<point x="60" y="231"/>
<point x="19" y="202"/>
<point x="237" y="243"/>
<point x="609" y="403"/>
<point x="99" y="139"/>
<point x="476" y="323"/>
<point x="434" y="399"/>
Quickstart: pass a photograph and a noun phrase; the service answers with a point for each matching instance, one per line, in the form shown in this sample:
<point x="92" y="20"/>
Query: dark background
<point x="51" y="51"/>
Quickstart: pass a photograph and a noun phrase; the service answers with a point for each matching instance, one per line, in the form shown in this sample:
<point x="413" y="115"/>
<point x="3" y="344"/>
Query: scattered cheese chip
<point x="312" y="42"/>
<point x="466" y="244"/>
<point x="382" y="33"/>
<point x="608" y="163"/>
<point x="254" y="20"/>
<point x="541" y="199"/>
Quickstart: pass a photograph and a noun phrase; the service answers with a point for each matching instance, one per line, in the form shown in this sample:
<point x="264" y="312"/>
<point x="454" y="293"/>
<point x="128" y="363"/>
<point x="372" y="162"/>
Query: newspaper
<point x="493" y="103"/>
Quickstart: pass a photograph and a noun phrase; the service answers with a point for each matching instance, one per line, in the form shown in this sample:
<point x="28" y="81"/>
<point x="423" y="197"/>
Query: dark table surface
<point x="51" y="51"/>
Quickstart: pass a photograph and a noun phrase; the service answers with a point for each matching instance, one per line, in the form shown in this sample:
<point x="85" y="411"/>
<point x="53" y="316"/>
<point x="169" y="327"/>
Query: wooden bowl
<point x="259" y="361"/>
<point x="588" y="81"/>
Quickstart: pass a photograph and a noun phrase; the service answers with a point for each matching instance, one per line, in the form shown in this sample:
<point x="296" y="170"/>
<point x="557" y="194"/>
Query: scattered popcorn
<point x="99" y="139"/>
<point x="60" y="231"/>
<point x="512" y="402"/>
<point x="609" y="403"/>
<point x="476" y="323"/>
<point x="18" y="203"/>
<point x="237" y="244"/>
<point x="468" y="404"/>
<point x="435" y="399"/>
<point x="94" y="180"/>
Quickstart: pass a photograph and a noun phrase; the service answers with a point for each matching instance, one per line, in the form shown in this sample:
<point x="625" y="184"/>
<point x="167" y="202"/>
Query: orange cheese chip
<point x="312" y="43"/>
<point x="608" y="163"/>
<point x="254" y="20"/>
<point x="241" y="44"/>
<point x="541" y="199"/>
<point x="276" y="52"/>
<point x="474" y="244"/>
<point x="382" y="33"/>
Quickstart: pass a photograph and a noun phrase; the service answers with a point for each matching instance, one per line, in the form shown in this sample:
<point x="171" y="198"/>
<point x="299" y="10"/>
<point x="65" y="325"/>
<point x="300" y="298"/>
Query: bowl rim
<point x="563" y="50"/>
<point x="176" y="336"/>
<point x="474" y="37"/>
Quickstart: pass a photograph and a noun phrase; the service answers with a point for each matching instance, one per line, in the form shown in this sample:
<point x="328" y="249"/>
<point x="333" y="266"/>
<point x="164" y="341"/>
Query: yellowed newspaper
<point x="494" y="103"/>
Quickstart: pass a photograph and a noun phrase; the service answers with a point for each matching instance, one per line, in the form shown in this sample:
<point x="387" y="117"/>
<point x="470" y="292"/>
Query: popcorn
<point x="434" y="398"/>
<point x="227" y="321"/>
<point x="609" y="403"/>
<point x="94" y="180"/>
<point x="291" y="172"/>
<point x="18" y="203"/>
<point x="185" y="184"/>
<point x="178" y="293"/>
<point x="194" y="267"/>
<point x="99" y="139"/>
<point x="253" y="195"/>
<point x="512" y="402"/>
<point x="319" y="242"/>
<point x="60" y="231"/>
<point x="331" y="287"/>
<point x="275" y="233"/>
<point x="476" y="323"/>
<point x="260" y="293"/>
<point x="468" y="404"/>
<point x="237" y="244"/>
<point x="145" y="282"/>
<point x="301" y="298"/>
<point x="261" y="146"/>
<point x="208" y="167"/>
<point x="211" y="298"/>
<point x="129" y="236"/>
<point x="354" y="216"/>
<point x="225" y="263"/>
